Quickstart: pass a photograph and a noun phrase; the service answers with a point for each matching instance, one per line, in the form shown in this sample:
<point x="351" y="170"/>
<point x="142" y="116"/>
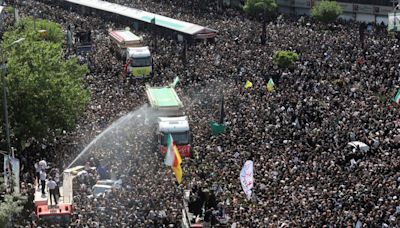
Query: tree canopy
<point x="10" y="205"/>
<point x="285" y="59"/>
<point x="45" y="91"/>
<point x="260" y="7"/>
<point x="326" y="11"/>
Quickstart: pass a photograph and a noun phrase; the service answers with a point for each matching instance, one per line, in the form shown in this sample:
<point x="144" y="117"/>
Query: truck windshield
<point x="141" y="62"/>
<point x="180" y="138"/>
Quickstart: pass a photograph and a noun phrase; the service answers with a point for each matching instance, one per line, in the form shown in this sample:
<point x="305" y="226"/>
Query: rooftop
<point x="163" y="97"/>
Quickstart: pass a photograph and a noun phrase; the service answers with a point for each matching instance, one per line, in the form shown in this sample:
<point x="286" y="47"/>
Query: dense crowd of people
<point x="296" y="135"/>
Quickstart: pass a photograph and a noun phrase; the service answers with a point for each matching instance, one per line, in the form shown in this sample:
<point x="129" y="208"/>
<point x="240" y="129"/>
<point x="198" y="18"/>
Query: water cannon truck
<point x="62" y="212"/>
<point x="169" y="117"/>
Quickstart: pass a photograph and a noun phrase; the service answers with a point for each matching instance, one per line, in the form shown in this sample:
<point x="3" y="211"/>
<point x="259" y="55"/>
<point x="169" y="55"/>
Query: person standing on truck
<point x="55" y="175"/>
<point x="43" y="176"/>
<point x="37" y="170"/>
<point x="51" y="185"/>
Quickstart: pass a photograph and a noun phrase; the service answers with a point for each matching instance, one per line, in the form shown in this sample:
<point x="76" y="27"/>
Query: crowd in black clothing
<point x="297" y="135"/>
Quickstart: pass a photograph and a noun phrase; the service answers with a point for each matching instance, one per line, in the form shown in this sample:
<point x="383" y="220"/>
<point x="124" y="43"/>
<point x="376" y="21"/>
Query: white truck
<point x="170" y="118"/>
<point x="130" y="48"/>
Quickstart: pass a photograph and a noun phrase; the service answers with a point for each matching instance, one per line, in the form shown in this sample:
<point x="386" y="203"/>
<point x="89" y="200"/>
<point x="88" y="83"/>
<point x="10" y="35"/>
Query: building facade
<point x="360" y="10"/>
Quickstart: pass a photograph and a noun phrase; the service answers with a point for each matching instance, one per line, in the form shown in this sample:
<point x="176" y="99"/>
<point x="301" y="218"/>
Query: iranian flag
<point x="172" y="151"/>
<point x="397" y="97"/>
<point x="173" y="158"/>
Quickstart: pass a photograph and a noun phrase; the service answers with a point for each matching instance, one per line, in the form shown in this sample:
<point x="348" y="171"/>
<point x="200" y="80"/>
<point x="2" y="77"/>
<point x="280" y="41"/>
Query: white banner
<point x="15" y="174"/>
<point x="247" y="178"/>
<point x="394" y="22"/>
<point x="7" y="172"/>
<point x="11" y="174"/>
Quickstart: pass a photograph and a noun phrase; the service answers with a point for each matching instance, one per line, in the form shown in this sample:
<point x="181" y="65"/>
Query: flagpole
<point x="222" y="111"/>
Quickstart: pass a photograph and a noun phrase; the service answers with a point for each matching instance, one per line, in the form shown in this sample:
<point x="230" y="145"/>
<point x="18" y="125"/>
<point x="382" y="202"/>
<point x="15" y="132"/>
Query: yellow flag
<point x="270" y="85"/>
<point x="248" y="84"/>
<point x="178" y="173"/>
<point x="176" y="167"/>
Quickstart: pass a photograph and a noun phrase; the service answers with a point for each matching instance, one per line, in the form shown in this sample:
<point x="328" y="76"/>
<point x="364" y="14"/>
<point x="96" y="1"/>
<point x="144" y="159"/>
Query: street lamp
<point x="5" y="107"/>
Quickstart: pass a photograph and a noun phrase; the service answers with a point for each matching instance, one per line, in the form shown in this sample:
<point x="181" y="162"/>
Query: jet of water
<point x="129" y="120"/>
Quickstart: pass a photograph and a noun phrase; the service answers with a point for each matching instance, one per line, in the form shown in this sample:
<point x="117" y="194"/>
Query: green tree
<point x="285" y="59"/>
<point x="263" y="10"/>
<point x="9" y="9"/>
<point x="10" y="205"/>
<point x="45" y="91"/>
<point x="326" y="11"/>
<point x="25" y="28"/>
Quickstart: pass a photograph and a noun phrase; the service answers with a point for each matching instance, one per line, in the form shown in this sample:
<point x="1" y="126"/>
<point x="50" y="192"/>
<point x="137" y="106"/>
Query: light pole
<point x="5" y="107"/>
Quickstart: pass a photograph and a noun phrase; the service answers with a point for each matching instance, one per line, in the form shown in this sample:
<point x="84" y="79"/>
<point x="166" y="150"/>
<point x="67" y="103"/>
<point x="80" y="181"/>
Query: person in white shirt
<point x="37" y="170"/>
<point x="43" y="165"/>
<point x="43" y="176"/>
<point x="51" y="185"/>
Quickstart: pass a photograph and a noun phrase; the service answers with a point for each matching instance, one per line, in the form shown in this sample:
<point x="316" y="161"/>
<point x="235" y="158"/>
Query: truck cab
<point x="178" y="127"/>
<point x="167" y="116"/>
<point x="139" y="62"/>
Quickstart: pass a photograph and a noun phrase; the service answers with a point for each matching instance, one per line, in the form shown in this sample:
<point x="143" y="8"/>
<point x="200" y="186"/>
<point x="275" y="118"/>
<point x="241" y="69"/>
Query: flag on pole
<point x="270" y="85"/>
<point x="247" y="178"/>
<point x="175" y="82"/>
<point x="222" y="111"/>
<point x="173" y="158"/>
<point x="397" y="97"/>
<point x="177" y="166"/>
<point x="248" y="84"/>
<point x="170" y="155"/>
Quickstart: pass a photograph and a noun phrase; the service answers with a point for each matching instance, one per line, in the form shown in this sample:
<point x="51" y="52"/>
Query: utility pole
<point x="5" y="106"/>
<point x="153" y="22"/>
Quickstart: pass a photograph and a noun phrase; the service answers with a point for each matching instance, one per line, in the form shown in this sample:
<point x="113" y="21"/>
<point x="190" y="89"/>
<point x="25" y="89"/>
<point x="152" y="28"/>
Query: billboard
<point x="394" y="22"/>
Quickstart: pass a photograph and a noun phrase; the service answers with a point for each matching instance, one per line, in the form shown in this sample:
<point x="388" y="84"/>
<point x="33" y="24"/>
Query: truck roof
<point x="173" y="124"/>
<point x="125" y="38"/>
<point x="163" y="97"/>
<point x="139" y="52"/>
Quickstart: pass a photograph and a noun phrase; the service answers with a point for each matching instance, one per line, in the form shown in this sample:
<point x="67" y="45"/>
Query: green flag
<point x="175" y="82"/>
<point x="217" y="128"/>
<point x="397" y="97"/>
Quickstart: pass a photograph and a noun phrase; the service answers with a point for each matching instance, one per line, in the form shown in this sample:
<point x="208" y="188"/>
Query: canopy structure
<point x="163" y="97"/>
<point x="187" y="28"/>
<point x="125" y="38"/>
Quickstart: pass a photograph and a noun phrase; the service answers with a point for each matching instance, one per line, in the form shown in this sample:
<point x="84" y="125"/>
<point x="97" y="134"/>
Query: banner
<point x="7" y="173"/>
<point x="11" y="174"/>
<point x="247" y="178"/>
<point x="15" y="174"/>
<point x="394" y="22"/>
